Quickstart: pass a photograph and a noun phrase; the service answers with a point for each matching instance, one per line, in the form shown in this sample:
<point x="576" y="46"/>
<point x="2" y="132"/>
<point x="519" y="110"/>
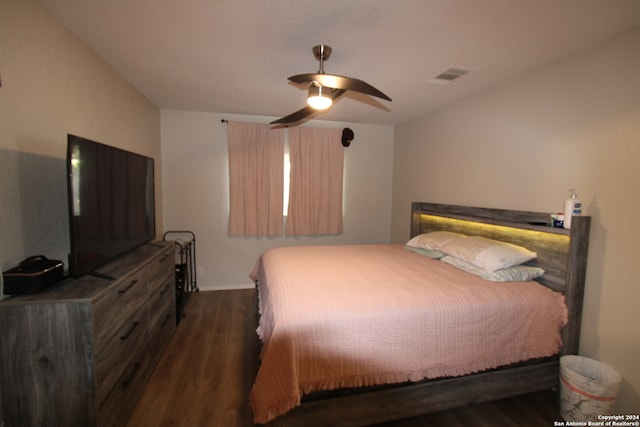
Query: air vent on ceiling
<point x="448" y="76"/>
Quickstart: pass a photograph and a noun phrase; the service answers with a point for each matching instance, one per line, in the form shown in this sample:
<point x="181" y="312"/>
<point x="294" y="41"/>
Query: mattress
<point x="362" y="315"/>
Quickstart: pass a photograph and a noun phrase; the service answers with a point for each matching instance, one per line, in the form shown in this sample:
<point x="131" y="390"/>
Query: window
<point x="268" y="182"/>
<point x="286" y="179"/>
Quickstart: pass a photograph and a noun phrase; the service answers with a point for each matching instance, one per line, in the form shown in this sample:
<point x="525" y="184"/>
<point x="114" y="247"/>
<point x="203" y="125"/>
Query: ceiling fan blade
<point x="339" y="82"/>
<point x="337" y="93"/>
<point x="295" y="117"/>
<point x="306" y="111"/>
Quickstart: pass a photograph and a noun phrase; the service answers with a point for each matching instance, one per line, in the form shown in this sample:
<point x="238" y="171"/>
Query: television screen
<point x="111" y="203"/>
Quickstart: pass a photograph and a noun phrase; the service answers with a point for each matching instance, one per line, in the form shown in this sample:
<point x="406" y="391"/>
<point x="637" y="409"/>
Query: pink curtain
<point x="315" y="189"/>
<point x="256" y="169"/>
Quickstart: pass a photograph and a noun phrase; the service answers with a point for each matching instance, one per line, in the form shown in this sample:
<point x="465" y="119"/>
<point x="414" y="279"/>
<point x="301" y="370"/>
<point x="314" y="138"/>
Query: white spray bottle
<point x="572" y="207"/>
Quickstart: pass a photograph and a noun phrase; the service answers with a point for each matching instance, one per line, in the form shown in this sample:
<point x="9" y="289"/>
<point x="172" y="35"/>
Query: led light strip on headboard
<point x="552" y="249"/>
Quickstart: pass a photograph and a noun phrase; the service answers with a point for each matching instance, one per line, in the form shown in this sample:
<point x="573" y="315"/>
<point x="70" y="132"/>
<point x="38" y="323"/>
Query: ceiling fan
<point x="325" y="88"/>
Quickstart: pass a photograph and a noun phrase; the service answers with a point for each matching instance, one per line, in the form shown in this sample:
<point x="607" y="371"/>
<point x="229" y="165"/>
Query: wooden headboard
<point x="561" y="253"/>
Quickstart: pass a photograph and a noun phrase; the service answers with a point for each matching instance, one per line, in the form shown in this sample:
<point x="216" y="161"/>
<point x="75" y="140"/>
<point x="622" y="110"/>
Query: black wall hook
<point x="347" y="136"/>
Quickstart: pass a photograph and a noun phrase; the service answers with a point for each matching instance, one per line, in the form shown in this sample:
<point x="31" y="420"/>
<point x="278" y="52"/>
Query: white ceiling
<point x="234" y="56"/>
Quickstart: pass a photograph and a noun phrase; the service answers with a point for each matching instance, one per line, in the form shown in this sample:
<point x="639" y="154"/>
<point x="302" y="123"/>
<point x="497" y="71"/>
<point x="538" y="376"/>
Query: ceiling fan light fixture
<point x="318" y="97"/>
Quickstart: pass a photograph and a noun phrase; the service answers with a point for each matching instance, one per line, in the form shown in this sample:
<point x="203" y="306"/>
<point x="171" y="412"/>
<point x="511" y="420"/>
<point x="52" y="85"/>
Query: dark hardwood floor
<point x="204" y="376"/>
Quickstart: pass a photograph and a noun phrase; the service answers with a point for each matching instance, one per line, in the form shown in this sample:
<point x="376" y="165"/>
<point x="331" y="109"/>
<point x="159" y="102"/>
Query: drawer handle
<point x="125" y="290"/>
<point x="134" y="325"/>
<point x="126" y="382"/>
<point x="163" y="258"/>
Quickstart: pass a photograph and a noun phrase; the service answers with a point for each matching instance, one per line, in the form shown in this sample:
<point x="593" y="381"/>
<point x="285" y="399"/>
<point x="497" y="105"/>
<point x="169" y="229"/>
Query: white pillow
<point x="491" y="255"/>
<point x="435" y="240"/>
<point x="517" y="273"/>
<point x="431" y="253"/>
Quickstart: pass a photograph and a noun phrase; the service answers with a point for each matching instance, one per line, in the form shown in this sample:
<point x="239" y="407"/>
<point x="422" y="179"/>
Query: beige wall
<point x="521" y="145"/>
<point x="194" y="152"/>
<point x="52" y="84"/>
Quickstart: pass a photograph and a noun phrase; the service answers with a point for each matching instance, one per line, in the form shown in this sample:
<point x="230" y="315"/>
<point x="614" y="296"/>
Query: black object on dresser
<point x="33" y="275"/>
<point x="80" y="353"/>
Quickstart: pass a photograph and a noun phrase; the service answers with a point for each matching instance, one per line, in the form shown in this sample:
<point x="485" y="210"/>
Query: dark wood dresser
<point x="80" y="353"/>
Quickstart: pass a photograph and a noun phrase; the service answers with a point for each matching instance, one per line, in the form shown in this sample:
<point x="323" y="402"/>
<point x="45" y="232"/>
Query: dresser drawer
<point x="118" y="405"/>
<point x="162" y="333"/>
<point x="112" y="309"/>
<point x="160" y="268"/>
<point x="119" y="351"/>
<point x="161" y="299"/>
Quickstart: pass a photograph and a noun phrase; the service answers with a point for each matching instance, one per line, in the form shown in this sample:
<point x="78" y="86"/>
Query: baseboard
<point x="226" y="287"/>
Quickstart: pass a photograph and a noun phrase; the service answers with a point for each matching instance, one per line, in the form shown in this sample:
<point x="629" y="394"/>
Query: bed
<point x="362" y="334"/>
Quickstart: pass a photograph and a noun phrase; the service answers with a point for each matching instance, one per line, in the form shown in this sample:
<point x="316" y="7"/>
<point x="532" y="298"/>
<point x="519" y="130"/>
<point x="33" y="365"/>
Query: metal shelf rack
<point x="185" y="262"/>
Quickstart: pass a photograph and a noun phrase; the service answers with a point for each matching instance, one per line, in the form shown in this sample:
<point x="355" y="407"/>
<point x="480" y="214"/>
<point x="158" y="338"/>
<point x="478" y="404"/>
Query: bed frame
<point x="561" y="253"/>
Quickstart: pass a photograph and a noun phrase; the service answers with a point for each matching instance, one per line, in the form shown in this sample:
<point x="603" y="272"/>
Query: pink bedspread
<point x="350" y="316"/>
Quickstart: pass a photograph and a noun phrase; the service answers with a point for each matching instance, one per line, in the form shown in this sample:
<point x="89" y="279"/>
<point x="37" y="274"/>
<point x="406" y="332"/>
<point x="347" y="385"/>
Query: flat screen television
<point x="111" y="203"/>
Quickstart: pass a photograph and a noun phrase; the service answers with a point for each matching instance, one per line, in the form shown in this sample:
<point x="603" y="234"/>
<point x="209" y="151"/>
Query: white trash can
<point x="588" y="388"/>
